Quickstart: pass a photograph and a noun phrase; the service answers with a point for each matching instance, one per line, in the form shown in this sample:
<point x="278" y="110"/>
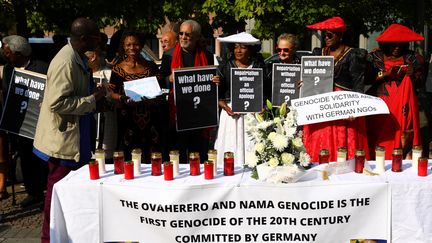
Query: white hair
<point x="18" y="44"/>
<point x="196" y="27"/>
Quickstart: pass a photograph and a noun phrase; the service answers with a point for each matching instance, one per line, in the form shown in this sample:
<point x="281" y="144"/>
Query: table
<point x="75" y="208"/>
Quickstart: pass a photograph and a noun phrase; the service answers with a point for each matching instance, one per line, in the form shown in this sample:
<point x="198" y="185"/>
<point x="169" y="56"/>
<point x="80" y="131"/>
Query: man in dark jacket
<point x="18" y="52"/>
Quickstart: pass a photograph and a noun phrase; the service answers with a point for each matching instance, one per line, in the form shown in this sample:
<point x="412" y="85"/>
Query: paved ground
<point x="19" y="225"/>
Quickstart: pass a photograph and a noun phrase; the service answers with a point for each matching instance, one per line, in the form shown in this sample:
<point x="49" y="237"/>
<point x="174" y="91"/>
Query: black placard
<point x="246" y="90"/>
<point x="285" y="78"/>
<point x="22" y="107"/>
<point x="317" y="75"/>
<point x="196" y="98"/>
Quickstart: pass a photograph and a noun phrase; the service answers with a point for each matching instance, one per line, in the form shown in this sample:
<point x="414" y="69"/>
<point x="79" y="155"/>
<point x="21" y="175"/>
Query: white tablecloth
<point x="75" y="201"/>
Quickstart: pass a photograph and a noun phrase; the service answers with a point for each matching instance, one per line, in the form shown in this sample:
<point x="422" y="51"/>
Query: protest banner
<point x="196" y="98"/>
<point x="337" y="105"/>
<point x="254" y="213"/>
<point x="22" y="106"/>
<point x="285" y="78"/>
<point x="246" y="89"/>
<point x="317" y="75"/>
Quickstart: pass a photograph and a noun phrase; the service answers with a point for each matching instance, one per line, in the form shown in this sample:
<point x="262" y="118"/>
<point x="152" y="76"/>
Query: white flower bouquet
<point x="278" y="154"/>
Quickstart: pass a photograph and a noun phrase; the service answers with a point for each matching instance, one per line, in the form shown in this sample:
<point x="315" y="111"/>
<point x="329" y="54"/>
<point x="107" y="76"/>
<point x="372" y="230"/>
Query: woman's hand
<point x="224" y="105"/>
<point x="299" y="84"/>
<point x="216" y="80"/>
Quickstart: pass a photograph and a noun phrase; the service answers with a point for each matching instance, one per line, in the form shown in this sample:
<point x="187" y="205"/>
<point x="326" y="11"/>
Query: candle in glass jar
<point x="175" y="158"/>
<point x="379" y="159"/>
<point x="416" y="154"/>
<point x="359" y="161"/>
<point x="194" y="163"/>
<point x="341" y="154"/>
<point x="168" y="171"/>
<point x="422" y="166"/>
<point x="324" y="156"/>
<point x="94" y="170"/>
<point x="156" y="164"/>
<point x="397" y="160"/>
<point x="212" y="156"/>
<point x="128" y="170"/>
<point x="208" y="170"/>
<point x="228" y="163"/>
<point x="430" y="150"/>
<point x="100" y="158"/>
<point x="136" y="158"/>
<point x="118" y="158"/>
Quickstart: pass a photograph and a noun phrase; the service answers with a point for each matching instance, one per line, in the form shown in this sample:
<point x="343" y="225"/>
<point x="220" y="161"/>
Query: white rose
<point x="273" y="162"/>
<point x="287" y="158"/>
<point x="277" y="120"/>
<point x="251" y="159"/>
<point x="297" y="142"/>
<point x="259" y="147"/>
<point x="271" y="136"/>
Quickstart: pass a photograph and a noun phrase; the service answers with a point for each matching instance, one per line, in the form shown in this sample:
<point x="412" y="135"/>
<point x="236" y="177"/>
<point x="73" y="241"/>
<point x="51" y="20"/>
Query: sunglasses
<point x="283" y="49"/>
<point x="329" y="35"/>
<point x="185" y="33"/>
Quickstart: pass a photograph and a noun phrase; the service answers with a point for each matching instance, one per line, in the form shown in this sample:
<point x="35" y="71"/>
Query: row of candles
<point x="130" y="169"/>
<point x="419" y="163"/>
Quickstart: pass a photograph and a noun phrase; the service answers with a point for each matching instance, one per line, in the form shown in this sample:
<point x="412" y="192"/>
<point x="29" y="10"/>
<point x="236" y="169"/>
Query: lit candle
<point x="156" y="163"/>
<point x="118" y="158"/>
<point x="194" y="163"/>
<point x="422" y="166"/>
<point x="175" y="158"/>
<point x="359" y="161"/>
<point x="416" y="154"/>
<point x="168" y="171"/>
<point x="136" y="159"/>
<point x="208" y="170"/>
<point x="228" y="163"/>
<point x="324" y="156"/>
<point x="100" y="159"/>
<point x="212" y="156"/>
<point x="94" y="170"/>
<point x="341" y="154"/>
<point x="379" y="159"/>
<point x="128" y="170"/>
<point x="397" y="160"/>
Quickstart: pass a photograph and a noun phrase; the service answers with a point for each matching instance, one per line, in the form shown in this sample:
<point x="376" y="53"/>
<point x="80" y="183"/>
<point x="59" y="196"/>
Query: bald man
<point x="168" y="40"/>
<point x="63" y="131"/>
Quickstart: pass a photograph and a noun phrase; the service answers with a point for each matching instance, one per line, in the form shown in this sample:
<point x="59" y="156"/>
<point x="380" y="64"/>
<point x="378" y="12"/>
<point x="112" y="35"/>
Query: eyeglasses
<point x="329" y="35"/>
<point x="282" y="49"/>
<point x="185" y="33"/>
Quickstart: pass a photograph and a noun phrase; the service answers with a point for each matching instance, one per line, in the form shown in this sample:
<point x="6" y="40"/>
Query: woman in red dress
<point x="349" y="66"/>
<point x="394" y="73"/>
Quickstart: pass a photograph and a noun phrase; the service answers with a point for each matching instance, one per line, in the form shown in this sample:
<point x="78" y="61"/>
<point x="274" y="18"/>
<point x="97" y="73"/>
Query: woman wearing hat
<point x="394" y="73"/>
<point x="243" y="49"/>
<point x="349" y="66"/>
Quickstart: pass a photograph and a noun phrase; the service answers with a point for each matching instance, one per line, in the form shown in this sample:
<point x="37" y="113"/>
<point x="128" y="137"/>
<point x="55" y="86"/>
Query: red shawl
<point x="177" y="62"/>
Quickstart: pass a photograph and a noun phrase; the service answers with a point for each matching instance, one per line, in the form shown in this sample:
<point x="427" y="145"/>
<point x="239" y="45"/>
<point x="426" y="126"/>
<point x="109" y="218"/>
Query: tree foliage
<point x="272" y="16"/>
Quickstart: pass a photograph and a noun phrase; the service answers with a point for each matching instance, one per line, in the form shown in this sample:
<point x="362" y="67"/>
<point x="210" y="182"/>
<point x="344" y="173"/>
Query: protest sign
<point x="253" y="213"/>
<point x="246" y="89"/>
<point x="196" y="98"/>
<point x="317" y="75"/>
<point x="22" y="106"/>
<point x="285" y="78"/>
<point x="337" y="105"/>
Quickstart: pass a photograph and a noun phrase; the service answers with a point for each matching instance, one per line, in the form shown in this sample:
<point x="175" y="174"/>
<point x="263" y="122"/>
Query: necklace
<point x="241" y="65"/>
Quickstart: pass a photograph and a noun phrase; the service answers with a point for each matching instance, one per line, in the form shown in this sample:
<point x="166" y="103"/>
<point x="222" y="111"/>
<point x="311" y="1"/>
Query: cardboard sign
<point x="22" y="107"/>
<point x="196" y="98"/>
<point x="285" y="78"/>
<point x="317" y="75"/>
<point x="247" y="89"/>
<point x="337" y="105"/>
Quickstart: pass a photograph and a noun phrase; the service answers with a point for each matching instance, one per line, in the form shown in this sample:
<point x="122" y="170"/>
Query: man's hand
<point x="100" y="92"/>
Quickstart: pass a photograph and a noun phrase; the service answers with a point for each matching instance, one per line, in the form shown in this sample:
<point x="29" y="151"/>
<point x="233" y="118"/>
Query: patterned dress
<point x="138" y="124"/>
